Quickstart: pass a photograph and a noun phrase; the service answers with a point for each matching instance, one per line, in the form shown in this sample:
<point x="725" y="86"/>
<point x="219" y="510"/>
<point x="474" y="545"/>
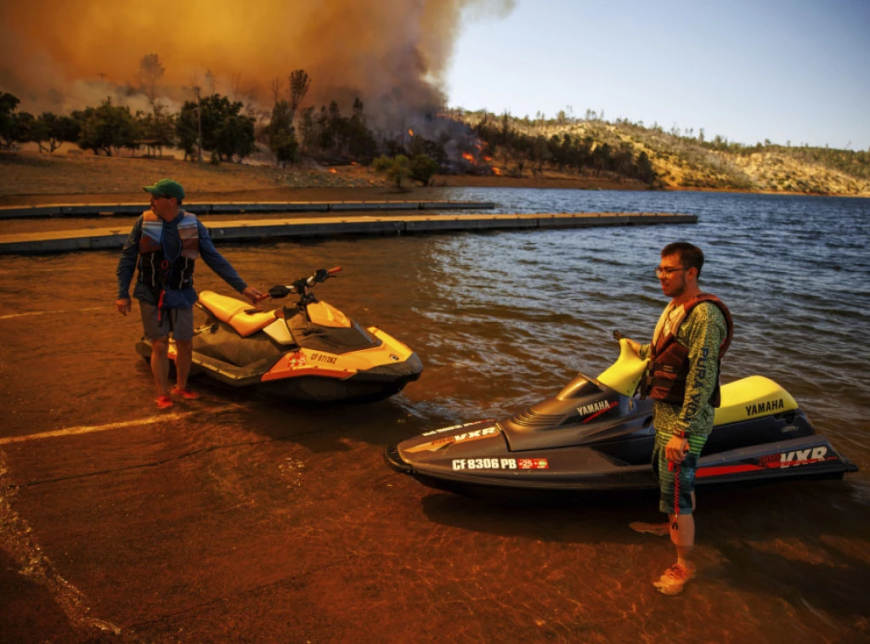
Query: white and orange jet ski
<point x="310" y="352"/>
<point x="595" y="436"/>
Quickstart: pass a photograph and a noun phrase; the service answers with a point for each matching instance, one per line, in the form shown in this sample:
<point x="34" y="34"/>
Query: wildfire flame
<point x="468" y="157"/>
<point x="496" y="172"/>
<point x="333" y="171"/>
<point x="411" y="132"/>
<point x="487" y="159"/>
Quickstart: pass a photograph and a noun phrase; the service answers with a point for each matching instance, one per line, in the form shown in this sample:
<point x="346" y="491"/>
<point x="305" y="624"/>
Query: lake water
<point x="500" y="321"/>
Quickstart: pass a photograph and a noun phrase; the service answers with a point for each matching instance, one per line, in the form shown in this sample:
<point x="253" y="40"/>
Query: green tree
<point x="361" y="142"/>
<point x="326" y="139"/>
<point x="13" y="127"/>
<point x="282" y="134"/>
<point x="107" y="128"/>
<point x="308" y="131"/>
<point x="644" y="170"/>
<point x="396" y="169"/>
<point x="299" y="85"/>
<point x="51" y="131"/>
<point x="158" y="129"/>
<point x="423" y="168"/>
<point x="225" y="131"/>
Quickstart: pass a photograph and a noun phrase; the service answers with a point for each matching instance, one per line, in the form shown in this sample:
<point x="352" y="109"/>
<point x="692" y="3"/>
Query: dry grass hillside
<point x="682" y="162"/>
<point x="677" y="163"/>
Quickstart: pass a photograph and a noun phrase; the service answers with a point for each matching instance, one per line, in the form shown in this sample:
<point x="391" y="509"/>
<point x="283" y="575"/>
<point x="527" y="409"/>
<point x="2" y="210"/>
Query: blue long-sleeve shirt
<point x="172" y="298"/>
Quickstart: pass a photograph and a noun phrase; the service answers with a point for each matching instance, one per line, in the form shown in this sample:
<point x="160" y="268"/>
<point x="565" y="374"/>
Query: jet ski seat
<point x="752" y="397"/>
<point x="236" y="313"/>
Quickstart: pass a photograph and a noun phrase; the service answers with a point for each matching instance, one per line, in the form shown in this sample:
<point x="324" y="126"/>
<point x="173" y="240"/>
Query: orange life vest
<point x="152" y="267"/>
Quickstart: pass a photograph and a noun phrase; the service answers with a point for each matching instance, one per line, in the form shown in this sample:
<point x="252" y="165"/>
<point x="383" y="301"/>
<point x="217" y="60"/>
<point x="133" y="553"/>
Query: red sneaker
<point x="164" y="401"/>
<point x="187" y="394"/>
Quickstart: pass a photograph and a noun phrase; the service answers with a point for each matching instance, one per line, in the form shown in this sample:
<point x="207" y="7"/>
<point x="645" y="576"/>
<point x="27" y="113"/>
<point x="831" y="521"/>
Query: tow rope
<point x="675" y="468"/>
<point x="166" y="266"/>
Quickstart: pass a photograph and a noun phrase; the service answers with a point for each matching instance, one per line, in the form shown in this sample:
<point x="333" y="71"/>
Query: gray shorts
<point x="178" y="321"/>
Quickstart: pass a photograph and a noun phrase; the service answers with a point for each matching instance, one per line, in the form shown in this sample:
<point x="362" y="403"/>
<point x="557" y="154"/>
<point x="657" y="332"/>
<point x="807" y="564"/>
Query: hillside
<point x="511" y="152"/>
<point x="685" y="162"/>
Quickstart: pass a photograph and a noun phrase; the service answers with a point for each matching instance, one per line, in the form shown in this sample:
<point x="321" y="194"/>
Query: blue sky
<point x="795" y="71"/>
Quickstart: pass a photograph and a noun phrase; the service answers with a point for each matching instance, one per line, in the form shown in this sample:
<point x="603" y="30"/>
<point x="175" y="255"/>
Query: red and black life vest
<point x="152" y="268"/>
<point x="668" y="370"/>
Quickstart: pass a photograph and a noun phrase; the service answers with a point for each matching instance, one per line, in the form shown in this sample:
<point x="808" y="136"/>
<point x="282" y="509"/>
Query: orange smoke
<point x="391" y="53"/>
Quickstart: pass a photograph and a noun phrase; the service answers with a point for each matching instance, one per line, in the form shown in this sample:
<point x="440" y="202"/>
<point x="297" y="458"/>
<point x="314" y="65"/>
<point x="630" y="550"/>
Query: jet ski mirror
<point x="277" y="292"/>
<point x="321" y="275"/>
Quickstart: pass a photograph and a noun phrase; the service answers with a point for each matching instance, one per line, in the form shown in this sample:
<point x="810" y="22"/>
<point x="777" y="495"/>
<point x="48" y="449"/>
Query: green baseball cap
<point x="166" y="188"/>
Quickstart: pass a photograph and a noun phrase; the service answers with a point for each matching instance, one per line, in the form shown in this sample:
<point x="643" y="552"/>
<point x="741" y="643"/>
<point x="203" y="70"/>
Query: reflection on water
<point x="503" y="318"/>
<point x="500" y="320"/>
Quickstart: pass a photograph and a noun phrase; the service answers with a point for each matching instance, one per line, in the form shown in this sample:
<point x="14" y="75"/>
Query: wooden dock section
<point x="234" y="208"/>
<point x="271" y="229"/>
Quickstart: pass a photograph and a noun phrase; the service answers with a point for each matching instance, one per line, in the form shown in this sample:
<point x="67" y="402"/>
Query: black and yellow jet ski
<point x="594" y="435"/>
<point x="309" y="352"/>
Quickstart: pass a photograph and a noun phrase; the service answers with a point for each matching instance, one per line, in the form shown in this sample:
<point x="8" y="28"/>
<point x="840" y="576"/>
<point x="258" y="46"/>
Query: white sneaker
<point x="658" y="529"/>
<point x="675" y="577"/>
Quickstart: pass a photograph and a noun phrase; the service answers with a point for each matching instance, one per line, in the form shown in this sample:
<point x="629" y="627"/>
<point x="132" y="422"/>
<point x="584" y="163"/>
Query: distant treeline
<point x="221" y="129"/>
<point x="562" y="151"/>
<point x="212" y="124"/>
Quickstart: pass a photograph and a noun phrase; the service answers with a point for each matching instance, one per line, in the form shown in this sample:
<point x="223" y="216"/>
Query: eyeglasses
<point x="666" y="270"/>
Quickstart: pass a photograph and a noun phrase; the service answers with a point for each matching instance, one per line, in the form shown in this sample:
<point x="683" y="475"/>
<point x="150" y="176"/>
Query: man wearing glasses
<point x="691" y="337"/>
<point x="165" y="243"/>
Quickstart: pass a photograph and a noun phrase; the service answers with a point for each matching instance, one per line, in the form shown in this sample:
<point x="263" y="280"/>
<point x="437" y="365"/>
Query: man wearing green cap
<point x="165" y="243"/>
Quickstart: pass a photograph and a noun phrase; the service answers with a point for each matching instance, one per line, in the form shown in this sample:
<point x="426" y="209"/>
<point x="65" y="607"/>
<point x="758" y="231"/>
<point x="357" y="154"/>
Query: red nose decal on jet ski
<point x="295" y="360"/>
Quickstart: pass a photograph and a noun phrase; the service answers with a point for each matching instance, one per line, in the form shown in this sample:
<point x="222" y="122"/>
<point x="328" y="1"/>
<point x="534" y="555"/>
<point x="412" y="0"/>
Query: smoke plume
<point x="393" y="54"/>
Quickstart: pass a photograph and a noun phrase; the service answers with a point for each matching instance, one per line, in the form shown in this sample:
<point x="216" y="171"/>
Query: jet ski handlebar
<point x="302" y="285"/>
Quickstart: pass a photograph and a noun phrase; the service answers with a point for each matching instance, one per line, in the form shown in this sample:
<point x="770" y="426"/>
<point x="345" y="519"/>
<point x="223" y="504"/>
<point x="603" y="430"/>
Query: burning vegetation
<point x="366" y="84"/>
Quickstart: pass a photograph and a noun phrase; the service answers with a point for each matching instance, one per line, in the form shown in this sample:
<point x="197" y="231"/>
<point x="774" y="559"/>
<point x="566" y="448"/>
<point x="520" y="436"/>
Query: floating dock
<point x="234" y="208"/>
<point x="295" y="228"/>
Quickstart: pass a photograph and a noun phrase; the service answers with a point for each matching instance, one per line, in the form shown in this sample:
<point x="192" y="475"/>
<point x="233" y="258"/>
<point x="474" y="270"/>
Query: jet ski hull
<point x="583" y="469"/>
<point x="591" y="438"/>
<point x="370" y="385"/>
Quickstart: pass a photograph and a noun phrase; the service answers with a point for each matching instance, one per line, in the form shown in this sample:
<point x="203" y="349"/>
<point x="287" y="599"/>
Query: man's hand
<point x="676" y="449"/>
<point x="254" y="295"/>
<point x="124" y="306"/>
<point x="634" y="345"/>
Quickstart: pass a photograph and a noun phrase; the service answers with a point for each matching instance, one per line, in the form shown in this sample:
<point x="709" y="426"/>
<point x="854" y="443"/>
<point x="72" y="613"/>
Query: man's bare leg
<point x="160" y="370"/>
<point x="183" y="360"/>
